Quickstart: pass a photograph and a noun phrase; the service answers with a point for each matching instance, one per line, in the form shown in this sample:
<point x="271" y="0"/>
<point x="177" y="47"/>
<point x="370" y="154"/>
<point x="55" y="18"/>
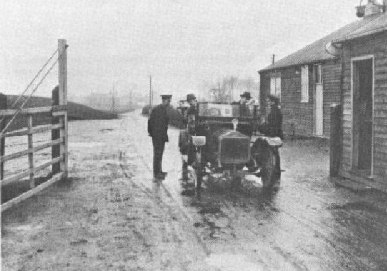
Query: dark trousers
<point x="158" y="150"/>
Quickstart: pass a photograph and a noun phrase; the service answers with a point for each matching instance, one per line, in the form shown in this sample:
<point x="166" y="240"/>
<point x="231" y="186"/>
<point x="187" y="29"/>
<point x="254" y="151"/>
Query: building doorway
<point x="318" y="101"/>
<point x="362" y="114"/>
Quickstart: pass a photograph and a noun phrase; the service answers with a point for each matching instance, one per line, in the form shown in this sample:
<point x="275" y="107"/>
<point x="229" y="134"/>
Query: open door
<point x="362" y="112"/>
<point x="318" y="101"/>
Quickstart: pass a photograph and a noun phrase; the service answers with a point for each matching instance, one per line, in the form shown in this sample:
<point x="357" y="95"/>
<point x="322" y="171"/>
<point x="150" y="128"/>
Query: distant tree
<point x="229" y="88"/>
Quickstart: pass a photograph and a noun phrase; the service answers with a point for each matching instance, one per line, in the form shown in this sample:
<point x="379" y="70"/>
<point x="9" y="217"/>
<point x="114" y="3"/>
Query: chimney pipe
<point x="273" y="60"/>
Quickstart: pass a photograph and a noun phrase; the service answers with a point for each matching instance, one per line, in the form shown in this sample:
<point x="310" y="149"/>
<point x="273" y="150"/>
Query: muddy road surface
<point x="111" y="216"/>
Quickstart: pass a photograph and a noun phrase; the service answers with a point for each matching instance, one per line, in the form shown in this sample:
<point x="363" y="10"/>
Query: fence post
<point x="3" y="105"/>
<point x="55" y="149"/>
<point x="30" y="152"/>
<point x="59" y="97"/>
<point x="335" y="140"/>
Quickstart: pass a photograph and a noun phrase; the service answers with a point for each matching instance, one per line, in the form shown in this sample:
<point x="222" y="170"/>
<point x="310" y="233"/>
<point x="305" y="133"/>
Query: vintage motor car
<point x="223" y="137"/>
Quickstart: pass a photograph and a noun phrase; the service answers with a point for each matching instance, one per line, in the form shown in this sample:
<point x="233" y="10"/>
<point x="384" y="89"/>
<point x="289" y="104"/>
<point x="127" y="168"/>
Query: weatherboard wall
<point x="376" y="46"/>
<point x="299" y="117"/>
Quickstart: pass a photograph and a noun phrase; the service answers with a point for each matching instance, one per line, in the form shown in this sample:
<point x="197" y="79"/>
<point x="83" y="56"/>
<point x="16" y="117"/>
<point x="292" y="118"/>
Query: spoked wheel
<point x="269" y="175"/>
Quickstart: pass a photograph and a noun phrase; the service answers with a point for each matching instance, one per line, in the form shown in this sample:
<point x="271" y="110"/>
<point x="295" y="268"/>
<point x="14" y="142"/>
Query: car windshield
<point x="225" y="110"/>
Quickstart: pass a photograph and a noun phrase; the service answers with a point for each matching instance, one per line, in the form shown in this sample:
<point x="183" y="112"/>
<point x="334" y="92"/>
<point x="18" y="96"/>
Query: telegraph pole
<point x="150" y="91"/>
<point x="113" y="109"/>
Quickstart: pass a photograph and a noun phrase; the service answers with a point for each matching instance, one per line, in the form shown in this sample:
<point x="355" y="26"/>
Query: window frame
<point x="305" y="84"/>
<point x="276" y="78"/>
<point x="318" y="77"/>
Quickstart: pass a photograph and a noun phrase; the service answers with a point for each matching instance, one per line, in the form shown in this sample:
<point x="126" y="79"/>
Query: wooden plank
<point x="34" y="149"/>
<point x="61" y="107"/>
<point x="45" y="128"/>
<point x="55" y="150"/>
<point x="31" y="192"/>
<point x="48" y="144"/>
<point x="59" y="113"/>
<point x="15" y="177"/>
<point x="13" y="156"/>
<point x="62" y="80"/>
<point x="21" y="132"/>
<point x="31" y="153"/>
<point x="25" y="111"/>
<point x="36" y="129"/>
<point x="34" y="110"/>
<point x="65" y="145"/>
<point x="53" y="161"/>
<point x="26" y="173"/>
<point x="3" y="105"/>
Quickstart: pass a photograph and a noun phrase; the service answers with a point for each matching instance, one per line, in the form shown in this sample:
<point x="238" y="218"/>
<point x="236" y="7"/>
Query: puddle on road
<point x="232" y="262"/>
<point x="28" y="227"/>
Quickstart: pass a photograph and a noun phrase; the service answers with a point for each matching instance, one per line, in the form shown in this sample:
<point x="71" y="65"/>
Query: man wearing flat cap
<point x="158" y="130"/>
<point x="191" y="112"/>
<point x="246" y="98"/>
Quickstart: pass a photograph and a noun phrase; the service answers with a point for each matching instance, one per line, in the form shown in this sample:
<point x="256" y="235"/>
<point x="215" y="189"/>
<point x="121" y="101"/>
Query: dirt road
<point x="111" y="216"/>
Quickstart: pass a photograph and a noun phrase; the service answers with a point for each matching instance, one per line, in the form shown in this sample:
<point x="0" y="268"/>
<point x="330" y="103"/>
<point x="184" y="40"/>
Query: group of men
<point x="158" y="125"/>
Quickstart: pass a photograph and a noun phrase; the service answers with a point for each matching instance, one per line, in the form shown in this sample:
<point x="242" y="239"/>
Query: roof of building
<point x="316" y="51"/>
<point x="378" y="24"/>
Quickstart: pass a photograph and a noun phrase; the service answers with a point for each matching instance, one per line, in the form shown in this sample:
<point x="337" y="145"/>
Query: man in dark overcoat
<point x="273" y="126"/>
<point x="158" y="130"/>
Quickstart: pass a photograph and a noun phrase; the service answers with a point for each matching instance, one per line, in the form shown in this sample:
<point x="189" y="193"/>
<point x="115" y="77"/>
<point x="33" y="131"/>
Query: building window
<point x="318" y="74"/>
<point x="275" y="86"/>
<point x="305" y="84"/>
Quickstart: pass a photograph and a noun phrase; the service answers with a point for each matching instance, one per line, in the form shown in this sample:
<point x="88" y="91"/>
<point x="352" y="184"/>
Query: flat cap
<point x="273" y="98"/>
<point x="246" y="94"/>
<point x="166" y="96"/>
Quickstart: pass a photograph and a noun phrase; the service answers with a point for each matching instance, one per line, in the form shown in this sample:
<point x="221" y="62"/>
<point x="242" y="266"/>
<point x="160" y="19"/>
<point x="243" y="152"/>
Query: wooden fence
<point x="58" y="142"/>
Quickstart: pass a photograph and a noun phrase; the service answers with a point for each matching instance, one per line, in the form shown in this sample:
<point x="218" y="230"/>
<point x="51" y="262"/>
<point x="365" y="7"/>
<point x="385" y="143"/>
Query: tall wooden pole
<point x="62" y="78"/>
<point x="150" y="92"/>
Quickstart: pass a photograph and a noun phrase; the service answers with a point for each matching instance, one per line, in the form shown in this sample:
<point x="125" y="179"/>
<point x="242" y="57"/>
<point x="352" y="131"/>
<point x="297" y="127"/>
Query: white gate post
<point x="62" y="79"/>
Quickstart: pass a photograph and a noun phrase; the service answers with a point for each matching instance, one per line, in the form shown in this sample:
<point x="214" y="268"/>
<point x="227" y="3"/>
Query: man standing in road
<point x="158" y="130"/>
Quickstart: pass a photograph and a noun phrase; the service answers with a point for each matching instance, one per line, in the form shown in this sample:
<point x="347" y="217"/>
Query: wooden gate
<point x="58" y="142"/>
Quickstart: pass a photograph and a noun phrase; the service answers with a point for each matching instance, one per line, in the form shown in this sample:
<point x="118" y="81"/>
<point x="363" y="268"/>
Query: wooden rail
<point x="31" y="192"/>
<point x="34" y="110"/>
<point x="58" y="142"/>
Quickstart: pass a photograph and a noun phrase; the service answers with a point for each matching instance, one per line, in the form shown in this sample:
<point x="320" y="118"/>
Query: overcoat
<point x="158" y="124"/>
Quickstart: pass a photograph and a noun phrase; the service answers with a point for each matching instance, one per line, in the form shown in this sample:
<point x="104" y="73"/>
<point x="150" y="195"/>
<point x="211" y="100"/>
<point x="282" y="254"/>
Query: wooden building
<point x="364" y="102"/>
<point x="308" y="82"/>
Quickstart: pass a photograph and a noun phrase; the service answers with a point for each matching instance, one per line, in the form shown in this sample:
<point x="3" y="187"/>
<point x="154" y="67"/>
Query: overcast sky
<point x="181" y="43"/>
